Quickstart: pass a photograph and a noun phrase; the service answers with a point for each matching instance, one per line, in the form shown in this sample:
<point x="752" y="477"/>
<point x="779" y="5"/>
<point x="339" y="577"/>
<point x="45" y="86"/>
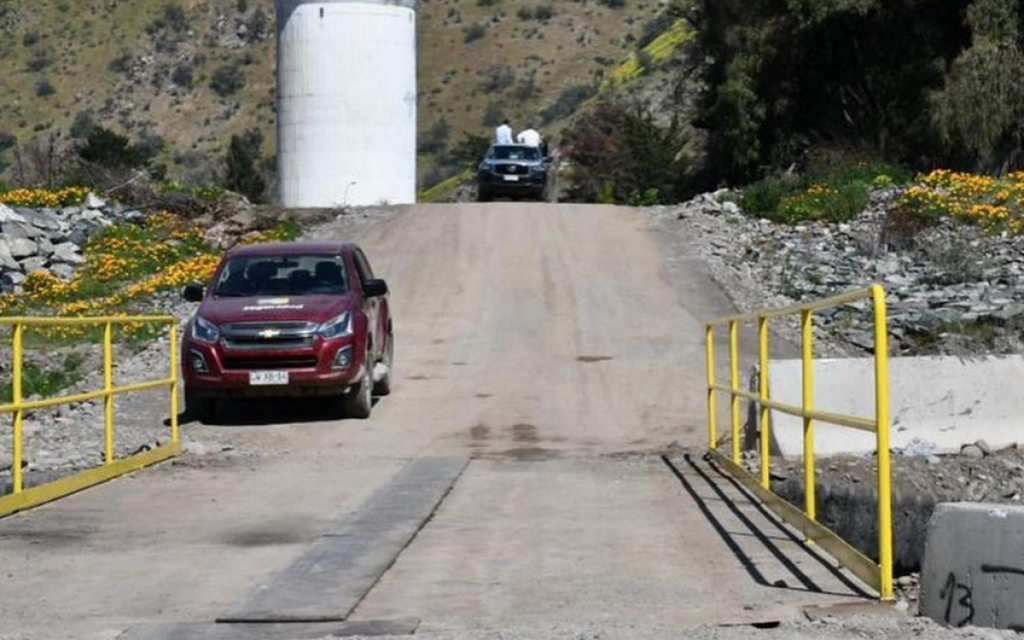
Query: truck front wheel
<point x="358" y="403"/>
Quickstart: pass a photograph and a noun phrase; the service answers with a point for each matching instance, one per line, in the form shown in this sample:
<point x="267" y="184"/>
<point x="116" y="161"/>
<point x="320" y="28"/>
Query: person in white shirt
<point x="529" y="137"/>
<point x="503" y="134"/>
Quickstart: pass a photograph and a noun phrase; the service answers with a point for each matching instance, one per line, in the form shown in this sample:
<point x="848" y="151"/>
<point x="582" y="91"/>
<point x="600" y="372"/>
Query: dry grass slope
<point x="147" y="67"/>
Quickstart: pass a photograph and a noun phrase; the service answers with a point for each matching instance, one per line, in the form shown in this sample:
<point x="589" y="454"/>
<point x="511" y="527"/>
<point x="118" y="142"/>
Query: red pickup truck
<point x="289" y="320"/>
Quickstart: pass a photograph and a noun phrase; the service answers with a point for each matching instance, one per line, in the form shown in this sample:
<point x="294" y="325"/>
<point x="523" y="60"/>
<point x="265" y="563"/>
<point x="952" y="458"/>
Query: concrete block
<point x="973" y="570"/>
<point x="939" y="402"/>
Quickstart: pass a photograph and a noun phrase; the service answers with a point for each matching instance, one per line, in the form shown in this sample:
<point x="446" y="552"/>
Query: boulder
<point x="22" y="248"/>
<point x="972" y="451"/>
<point x="7" y="261"/>
<point x="45" y="219"/>
<point x="8" y="214"/>
<point x="62" y="271"/>
<point x="93" y="201"/>
<point x="45" y="246"/>
<point x="21" y="230"/>
<point x="13" y="278"/>
<point x="67" y="253"/>
<point x="33" y="264"/>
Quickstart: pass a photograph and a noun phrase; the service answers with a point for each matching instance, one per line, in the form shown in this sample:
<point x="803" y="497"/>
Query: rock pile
<point x="953" y="290"/>
<point x="51" y="239"/>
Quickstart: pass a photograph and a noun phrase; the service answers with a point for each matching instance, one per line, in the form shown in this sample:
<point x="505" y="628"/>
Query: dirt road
<point x="543" y="341"/>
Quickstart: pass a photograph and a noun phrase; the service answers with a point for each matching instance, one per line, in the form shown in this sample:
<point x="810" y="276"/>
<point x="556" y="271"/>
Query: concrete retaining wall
<point x="943" y="401"/>
<point x="973" y="571"/>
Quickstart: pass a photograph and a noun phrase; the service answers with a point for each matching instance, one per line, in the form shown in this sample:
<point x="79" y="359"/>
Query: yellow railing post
<point x="16" y="372"/>
<point x="175" y="433"/>
<point x="882" y="422"/>
<point x="734" y="383"/>
<point x="876" y="574"/>
<point x="765" y="436"/>
<point x="108" y="388"/>
<point x="22" y="497"/>
<point x="807" y="347"/>
<point x="709" y="337"/>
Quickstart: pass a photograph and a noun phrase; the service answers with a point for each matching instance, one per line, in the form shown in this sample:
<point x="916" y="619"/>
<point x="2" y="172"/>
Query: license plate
<point x="511" y="178"/>
<point x="267" y="378"/>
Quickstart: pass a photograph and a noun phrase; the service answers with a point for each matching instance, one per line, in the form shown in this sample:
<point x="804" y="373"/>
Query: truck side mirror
<point x="375" y="288"/>
<point x="194" y="292"/>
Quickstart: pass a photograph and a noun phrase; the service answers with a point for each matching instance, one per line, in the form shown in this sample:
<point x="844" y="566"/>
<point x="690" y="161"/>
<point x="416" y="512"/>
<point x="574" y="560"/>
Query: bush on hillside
<point x="183" y="75"/>
<point x="568" y="101"/>
<point x="470" y="150"/>
<point x="474" y="32"/>
<point x="435" y="137"/>
<point x="497" y="78"/>
<point x="45" y="88"/>
<point x="242" y="160"/>
<point x="122" y="63"/>
<point x="227" y="80"/>
<point x="620" y="154"/>
<point x="493" y="114"/>
<point x="111" y="150"/>
<point x="833" y="193"/>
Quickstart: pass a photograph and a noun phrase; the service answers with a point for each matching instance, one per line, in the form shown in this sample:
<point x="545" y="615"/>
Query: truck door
<point x="371" y="306"/>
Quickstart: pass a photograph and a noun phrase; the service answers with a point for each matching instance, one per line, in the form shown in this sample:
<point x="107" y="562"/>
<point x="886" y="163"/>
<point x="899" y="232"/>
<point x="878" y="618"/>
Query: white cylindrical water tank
<point x="346" y="102"/>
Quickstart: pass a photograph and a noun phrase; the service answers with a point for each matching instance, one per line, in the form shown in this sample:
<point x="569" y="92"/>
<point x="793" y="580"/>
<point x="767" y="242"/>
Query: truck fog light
<point x="197" y="361"/>
<point x="343" y="359"/>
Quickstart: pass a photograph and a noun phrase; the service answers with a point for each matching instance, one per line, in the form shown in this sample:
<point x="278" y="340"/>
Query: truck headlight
<point x="343" y="359"/>
<point x="205" y="331"/>
<point x="338" y="327"/>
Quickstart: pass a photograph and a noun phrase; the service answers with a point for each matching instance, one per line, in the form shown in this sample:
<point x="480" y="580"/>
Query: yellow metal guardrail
<point x="21" y="498"/>
<point x="877" y="575"/>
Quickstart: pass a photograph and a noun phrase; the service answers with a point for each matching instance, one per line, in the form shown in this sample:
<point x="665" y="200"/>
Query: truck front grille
<point x="269" y="335"/>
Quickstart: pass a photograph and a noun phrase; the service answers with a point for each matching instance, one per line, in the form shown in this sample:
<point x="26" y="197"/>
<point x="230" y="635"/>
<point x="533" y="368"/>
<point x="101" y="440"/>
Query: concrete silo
<point x="346" y="102"/>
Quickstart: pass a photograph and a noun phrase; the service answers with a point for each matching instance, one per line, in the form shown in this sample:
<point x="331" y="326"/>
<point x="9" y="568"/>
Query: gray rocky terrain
<point x="951" y="290"/>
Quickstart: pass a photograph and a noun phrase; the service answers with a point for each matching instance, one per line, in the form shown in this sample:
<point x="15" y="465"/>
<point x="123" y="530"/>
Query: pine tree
<point x="242" y="176"/>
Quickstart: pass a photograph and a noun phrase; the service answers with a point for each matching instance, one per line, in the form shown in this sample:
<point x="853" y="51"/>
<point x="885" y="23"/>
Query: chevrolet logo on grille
<point x="269" y="333"/>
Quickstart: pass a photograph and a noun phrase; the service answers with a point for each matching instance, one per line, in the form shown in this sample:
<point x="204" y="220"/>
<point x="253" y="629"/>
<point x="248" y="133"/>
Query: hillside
<point x="185" y="75"/>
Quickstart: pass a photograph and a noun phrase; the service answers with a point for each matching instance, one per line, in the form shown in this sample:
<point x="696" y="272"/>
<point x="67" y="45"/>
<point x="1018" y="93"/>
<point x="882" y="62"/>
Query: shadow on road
<point x="743" y="510"/>
<point x="258" y="412"/>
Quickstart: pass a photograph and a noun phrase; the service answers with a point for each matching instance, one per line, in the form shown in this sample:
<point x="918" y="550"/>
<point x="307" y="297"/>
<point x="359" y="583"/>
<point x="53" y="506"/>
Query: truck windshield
<point x="515" y="153"/>
<point x="245" y="276"/>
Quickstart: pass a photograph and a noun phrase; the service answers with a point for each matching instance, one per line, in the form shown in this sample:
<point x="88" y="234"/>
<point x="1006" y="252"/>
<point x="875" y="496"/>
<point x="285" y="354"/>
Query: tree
<point x="469" y="151"/>
<point x="111" y="150"/>
<point x="242" y="175"/>
<point x="845" y="74"/>
<point x="981" y="106"/>
<point x="621" y="154"/>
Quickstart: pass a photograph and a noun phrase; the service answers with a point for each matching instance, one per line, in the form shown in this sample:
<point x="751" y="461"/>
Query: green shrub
<point x="835" y="193"/>
<point x="108" y="149"/>
<point x="45" y="88"/>
<point x="474" y="32"/>
<point x="647" y="198"/>
<point x="763" y="198"/>
<point x="227" y="80"/>
<point x="46" y="383"/>
<point x="241" y="172"/>
<point x="620" y="154"/>
<point x="568" y="101"/>
<point x="823" y="202"/>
